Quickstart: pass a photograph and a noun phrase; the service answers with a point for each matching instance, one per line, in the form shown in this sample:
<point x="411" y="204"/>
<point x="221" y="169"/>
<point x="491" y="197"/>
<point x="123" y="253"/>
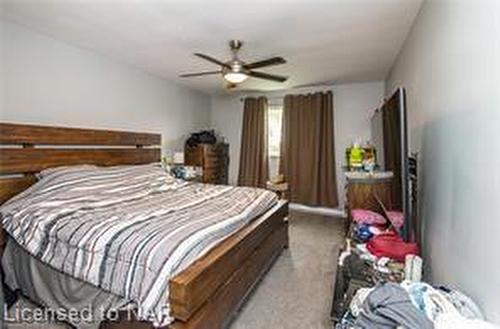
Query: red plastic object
<point x="391" y="245"/>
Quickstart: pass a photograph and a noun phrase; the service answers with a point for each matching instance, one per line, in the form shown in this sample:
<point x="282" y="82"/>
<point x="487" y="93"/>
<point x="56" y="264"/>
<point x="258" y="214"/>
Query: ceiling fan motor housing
<point x="236" y="66"/>
<point x="235" y="44"/>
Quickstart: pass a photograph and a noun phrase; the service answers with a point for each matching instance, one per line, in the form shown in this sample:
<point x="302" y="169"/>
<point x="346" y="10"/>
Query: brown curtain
<point x="392" y="146"/>
<point x="254" y="167"/>
<point x="307" y="149"/>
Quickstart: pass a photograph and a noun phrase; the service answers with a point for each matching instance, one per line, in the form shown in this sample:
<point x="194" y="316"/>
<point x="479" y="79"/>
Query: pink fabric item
<point x="362" y="216"/>
<point x="396" y="218"/>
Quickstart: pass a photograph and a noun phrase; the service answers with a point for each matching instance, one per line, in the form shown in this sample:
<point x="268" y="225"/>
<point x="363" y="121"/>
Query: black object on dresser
<point x="213" y="158"/>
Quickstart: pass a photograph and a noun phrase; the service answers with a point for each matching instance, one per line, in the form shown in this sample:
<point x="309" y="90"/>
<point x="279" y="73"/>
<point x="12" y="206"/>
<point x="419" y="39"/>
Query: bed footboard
<point x="209" y="292"/>
<point x="191" y="288"/>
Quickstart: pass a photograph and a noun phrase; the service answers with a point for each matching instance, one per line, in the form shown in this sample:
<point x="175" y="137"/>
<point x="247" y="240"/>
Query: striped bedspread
<point x="127" y="229"/>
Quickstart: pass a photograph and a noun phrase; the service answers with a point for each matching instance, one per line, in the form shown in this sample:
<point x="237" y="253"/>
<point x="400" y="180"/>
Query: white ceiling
<point x="324" y="41"/>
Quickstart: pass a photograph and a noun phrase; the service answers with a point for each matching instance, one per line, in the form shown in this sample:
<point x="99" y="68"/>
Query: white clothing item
<point x="464" y="304"/>
<point x="456" y="321"/>
<point x="358" y="300"/>
<point x="413" y="268"/>
<point x="364" y="253"/>
<point x="428" y="300"/>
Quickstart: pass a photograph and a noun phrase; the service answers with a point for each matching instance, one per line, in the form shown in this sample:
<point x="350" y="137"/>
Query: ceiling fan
<point x="236" y="71"/>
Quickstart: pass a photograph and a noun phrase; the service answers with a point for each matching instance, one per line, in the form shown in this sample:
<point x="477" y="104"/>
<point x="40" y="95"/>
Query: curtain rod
<point x="278" y="98"/>
<point x="268" y="98"/>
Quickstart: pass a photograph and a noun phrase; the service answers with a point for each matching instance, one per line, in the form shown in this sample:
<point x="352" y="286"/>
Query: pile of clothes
<point x="381" y="235"/>
<point x="412" y="305"/>
<point x="379" y="243"/>
<point x="201" y="137"/>
<point x="385" y="289"/>
<point x="379" y="286"/>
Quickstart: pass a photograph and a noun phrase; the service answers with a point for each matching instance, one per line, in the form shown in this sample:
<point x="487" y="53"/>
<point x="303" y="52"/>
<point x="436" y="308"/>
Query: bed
<point x="208" y="291"/>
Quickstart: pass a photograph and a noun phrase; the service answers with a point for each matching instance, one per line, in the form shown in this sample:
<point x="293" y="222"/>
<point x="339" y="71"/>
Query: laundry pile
<point x="381" y="235"/>
<point x="378" y="283"/>
<point x="412" y="305"/>
<point x="377" y="241"/>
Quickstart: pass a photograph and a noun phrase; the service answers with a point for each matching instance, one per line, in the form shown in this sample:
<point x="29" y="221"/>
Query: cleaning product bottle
<point x="356" y="157"/>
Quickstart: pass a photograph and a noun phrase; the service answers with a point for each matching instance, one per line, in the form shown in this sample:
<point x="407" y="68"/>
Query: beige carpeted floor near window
<point x="297" y="291"/>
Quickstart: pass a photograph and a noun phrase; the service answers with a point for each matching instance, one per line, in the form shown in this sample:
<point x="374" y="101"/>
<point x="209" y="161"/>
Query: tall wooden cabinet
<point x="363" y="194"/>
<point x="213" y="158"/>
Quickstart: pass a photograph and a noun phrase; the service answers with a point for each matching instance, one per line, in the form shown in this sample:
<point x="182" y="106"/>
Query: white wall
<point x="353" y="105"/>
<point x="54" y="83"/>
<point x="377" y="129"/>
<point x="226" y="119"/>
<point x="450" y="66"/>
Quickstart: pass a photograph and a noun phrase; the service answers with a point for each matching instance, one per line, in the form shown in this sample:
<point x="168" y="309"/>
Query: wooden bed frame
<point x="205" y="295"/>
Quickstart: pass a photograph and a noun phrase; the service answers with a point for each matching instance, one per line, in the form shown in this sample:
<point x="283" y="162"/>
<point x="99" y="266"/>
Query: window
<point x="275" y="113"/>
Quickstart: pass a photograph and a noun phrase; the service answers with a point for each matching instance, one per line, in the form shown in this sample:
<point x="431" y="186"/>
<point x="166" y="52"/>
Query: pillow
<point x="93" y="168"/>
<point x="61" y="169"/>
<point x="396" y="218"/>
<point x="362" y="216"/>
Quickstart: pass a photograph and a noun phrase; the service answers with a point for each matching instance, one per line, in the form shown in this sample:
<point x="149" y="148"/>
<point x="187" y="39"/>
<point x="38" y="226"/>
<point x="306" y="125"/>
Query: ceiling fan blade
<point x="187" y="75"/>
<point x="266" y="76"/>
<point x="213" y="60"/>
<point x="266" y="62"/>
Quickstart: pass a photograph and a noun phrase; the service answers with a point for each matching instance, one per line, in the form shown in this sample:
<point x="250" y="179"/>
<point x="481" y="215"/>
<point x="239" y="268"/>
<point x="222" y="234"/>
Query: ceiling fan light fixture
<point x="236" y="71"/>
<point x="235" y="77"/>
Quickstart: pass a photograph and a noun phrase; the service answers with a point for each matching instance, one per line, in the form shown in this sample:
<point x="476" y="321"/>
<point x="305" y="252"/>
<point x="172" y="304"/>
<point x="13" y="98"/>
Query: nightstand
<point x="279" y="188"/>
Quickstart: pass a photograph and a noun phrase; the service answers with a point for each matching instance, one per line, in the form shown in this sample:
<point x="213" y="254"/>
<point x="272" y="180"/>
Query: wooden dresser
<point x="362" y="193"/>
<point x="213" y="158"/>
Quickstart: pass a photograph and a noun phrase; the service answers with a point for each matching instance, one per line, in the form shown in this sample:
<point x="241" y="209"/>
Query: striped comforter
<point x="127" y="229"/>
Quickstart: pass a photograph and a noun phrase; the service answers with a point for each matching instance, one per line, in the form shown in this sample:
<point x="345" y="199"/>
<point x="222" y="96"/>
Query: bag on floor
<point x="391" y="245"/>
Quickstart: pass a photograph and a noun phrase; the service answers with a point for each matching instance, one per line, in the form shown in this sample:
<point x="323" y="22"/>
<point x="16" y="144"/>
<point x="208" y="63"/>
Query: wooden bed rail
<point x="190" y="289"/>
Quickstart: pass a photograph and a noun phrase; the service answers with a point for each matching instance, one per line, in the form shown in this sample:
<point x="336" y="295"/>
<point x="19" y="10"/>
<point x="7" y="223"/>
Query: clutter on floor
<point x="378" y="283"/>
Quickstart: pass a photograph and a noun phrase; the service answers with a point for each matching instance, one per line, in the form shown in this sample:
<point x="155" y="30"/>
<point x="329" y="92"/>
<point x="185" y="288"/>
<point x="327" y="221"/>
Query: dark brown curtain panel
<point x="254" y="166"/>
<point x="391" y="117"/>
<point x="307" y="149"/>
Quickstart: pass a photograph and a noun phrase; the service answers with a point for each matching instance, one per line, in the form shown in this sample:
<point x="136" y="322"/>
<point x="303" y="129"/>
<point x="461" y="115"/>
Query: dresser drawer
<point x="193" y="156"/>
<point x="213" y="158"/>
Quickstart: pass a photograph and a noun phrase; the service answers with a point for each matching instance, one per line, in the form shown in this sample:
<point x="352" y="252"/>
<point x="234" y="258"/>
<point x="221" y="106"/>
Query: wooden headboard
<point x="28" y="149"/>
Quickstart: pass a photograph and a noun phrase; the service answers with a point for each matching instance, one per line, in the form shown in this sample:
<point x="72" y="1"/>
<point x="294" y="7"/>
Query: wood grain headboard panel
<point x="45" y="135"/>
<point x="12" y="186"/>
<point x="20" y="156"/>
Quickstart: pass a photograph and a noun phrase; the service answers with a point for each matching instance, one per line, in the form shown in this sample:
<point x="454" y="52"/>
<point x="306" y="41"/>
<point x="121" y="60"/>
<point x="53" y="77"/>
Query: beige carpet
<point x="297" y="291"/>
